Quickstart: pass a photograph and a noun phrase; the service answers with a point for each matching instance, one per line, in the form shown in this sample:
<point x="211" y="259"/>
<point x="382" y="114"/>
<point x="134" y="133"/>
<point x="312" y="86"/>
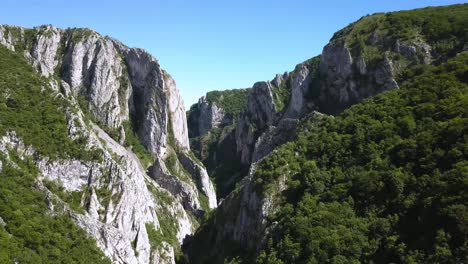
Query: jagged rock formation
<point x="212" y="123"/>
<point x="273" y="137"/>
<point x="259" y="114"/>
<point x="209" y="116"/>
<point x="200" y="175"/>
<point x="125" y="90"/>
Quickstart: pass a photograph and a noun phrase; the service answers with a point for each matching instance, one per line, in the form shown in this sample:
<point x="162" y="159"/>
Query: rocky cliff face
<point x="259" y="114"/>
<point x="209" y="116"/>
<point x="347" y="79"/>
<point x="122" y="88"/>
<point x="212" y="122"/>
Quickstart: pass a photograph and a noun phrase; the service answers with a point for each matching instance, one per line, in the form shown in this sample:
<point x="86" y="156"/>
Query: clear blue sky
<point x="211" y="44"/>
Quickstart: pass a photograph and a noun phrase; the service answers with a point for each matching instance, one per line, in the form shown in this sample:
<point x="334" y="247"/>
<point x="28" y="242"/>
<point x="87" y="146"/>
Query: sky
<point x="206" y="44"/>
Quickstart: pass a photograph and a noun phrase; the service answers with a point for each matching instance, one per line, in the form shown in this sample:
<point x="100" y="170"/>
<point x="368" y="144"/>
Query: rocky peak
<point x="299" y="81"/>
<point x="279" y="78"/>
<point x="260" y="104"/>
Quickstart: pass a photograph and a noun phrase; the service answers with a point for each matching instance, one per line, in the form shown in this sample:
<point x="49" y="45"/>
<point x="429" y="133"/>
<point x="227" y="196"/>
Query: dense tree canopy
<point x="383" y="182"/>
<point x="28" y="232"/>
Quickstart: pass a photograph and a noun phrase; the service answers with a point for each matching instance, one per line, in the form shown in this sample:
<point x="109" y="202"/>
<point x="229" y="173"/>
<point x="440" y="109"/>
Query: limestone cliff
<point x="116" y="93"/>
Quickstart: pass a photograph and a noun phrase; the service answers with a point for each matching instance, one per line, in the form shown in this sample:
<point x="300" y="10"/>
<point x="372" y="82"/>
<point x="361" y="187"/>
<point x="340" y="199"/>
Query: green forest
<point x="232" y="101"/>
<point x="29" y="234"/>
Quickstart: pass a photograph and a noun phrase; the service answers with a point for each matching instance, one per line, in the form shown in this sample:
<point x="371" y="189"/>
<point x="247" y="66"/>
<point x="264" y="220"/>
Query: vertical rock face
<point x="177" y="113"/>
<point x="185" y="192"/>
<point x="300" y="81"/>
<point x="348" y="80"/>
<point x="43" y="56"/>
<point x="7" y="38"/>
<point x="93" y="68"/>
<point x="148" y="99"/>
<point x="201" y="178"/>
<point x="118" y="84"/>
<point x="259" y="114"/>
<point x="157" y="102"/>
<point x="240" y="220"/>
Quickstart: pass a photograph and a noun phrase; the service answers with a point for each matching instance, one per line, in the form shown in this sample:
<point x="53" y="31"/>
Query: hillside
<point x="383" y="181"/>
<point x="347" y="188"/>
<point x="363" y="59"/>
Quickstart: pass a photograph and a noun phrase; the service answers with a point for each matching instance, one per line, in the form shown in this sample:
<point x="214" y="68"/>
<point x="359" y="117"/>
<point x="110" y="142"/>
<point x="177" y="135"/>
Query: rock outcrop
<point x="259" y="114"/>
<point x="329" y="83"/>
<point x="348" y="80"/>
<point x="209" y="116"/>
<point x="43" y="55"/>
<point x="198" y="172"/>
<point x="274" y="136"/>
<point x="240" y="221"/>
<point x="156" y="102"/>
<point x="185" y="191"/>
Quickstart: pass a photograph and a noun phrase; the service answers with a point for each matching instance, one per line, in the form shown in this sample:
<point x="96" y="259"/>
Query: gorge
<point x="357" y="155"/>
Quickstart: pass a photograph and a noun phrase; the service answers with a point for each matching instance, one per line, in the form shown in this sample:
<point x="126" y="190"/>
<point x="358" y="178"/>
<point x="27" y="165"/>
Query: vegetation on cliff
<point x="28" y="107"/>
<point x="28" y="233"/>
<point x="231" y="101"/>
